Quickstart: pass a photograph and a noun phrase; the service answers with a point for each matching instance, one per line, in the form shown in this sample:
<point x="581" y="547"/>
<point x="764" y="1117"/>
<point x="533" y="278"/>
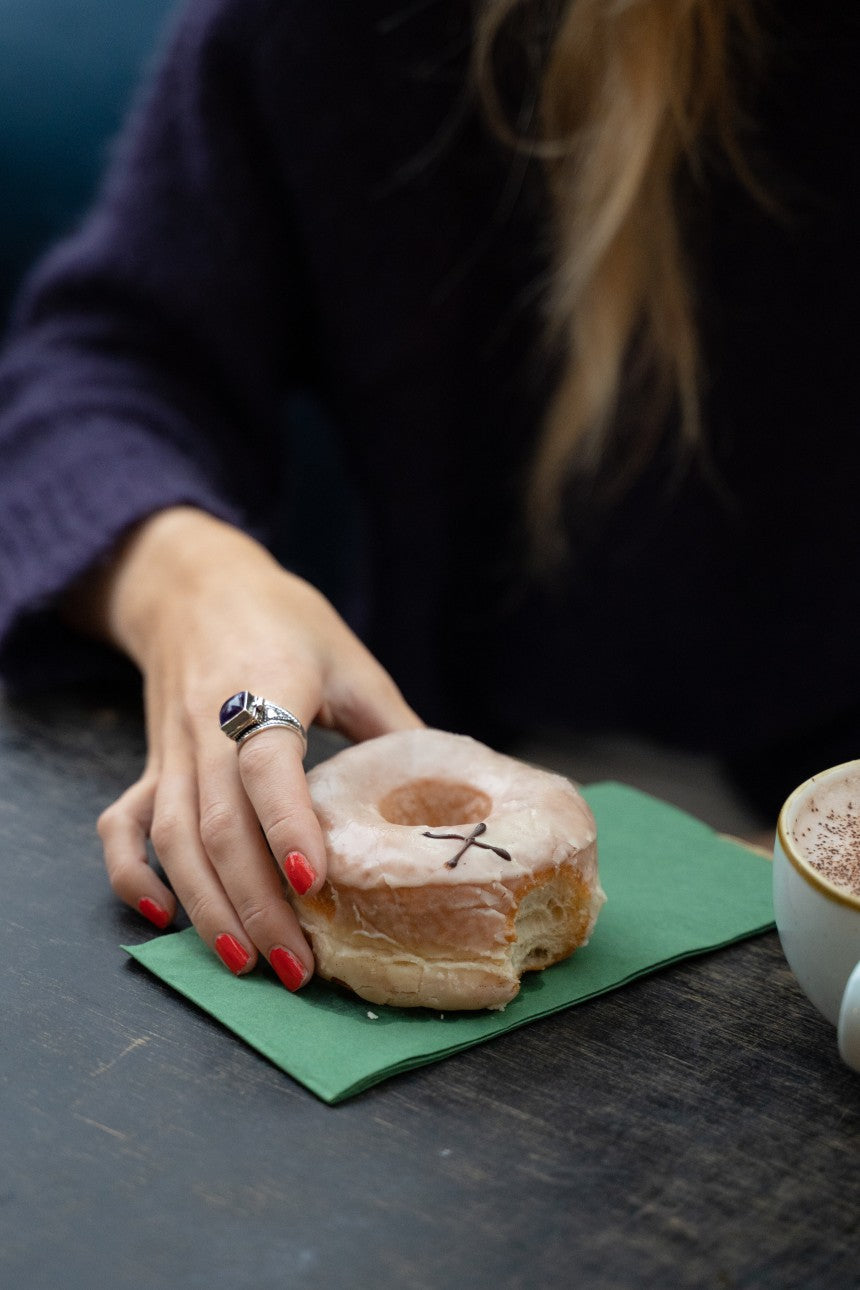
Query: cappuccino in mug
<point x="826" y="829"/>
<point x="816" y="896"/>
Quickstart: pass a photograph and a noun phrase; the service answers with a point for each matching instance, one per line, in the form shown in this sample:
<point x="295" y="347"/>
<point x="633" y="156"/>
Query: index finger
<point x="273" y="777"/>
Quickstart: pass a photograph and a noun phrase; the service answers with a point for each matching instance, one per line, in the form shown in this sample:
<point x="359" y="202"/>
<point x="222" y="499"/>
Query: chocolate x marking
<point x="470" y="841"/>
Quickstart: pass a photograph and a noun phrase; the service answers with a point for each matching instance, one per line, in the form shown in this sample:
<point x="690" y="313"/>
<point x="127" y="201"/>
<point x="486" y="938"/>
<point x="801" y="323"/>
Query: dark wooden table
<point x="694" y="1129"/>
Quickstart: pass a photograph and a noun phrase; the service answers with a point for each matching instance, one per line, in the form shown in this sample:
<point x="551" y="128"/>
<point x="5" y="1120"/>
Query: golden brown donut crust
<point x="426" y="932"/>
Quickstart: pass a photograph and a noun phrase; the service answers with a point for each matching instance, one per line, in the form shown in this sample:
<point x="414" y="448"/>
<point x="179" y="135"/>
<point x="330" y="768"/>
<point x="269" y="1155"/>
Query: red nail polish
<point x="155" y="913"/>
<point x="231" y="953"/>
<point x="299" y="872"/>
<point x="290" y="971"/>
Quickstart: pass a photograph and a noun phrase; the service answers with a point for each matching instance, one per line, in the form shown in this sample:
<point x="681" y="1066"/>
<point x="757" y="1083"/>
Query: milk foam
<point x="826" y="829"/>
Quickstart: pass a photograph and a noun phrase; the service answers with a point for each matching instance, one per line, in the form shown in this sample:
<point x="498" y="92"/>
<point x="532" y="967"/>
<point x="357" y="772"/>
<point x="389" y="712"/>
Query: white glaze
<point x="537" y="817"/>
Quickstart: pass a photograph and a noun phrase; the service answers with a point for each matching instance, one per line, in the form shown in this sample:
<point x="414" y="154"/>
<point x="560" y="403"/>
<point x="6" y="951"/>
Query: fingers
<point x="362" y="702"/>
<point x="270" y="765"/>
<point x="217" y="861"/>
<point x="209" y="841"/>
<point x="124" y="828"/>
<point x="217" y="814"/>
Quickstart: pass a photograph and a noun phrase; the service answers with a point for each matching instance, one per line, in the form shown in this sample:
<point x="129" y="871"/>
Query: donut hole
<point x="435" y="802"/>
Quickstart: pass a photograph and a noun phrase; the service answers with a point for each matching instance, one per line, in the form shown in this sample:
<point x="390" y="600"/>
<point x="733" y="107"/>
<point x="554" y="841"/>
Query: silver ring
<point x="245" y="714"/>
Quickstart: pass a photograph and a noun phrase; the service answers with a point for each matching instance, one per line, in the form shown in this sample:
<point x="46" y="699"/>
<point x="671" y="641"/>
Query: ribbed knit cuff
<point x="54" y="531"/>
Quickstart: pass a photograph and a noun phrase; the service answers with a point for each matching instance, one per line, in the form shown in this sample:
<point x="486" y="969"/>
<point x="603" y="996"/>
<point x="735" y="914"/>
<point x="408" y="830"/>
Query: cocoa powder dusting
<point x="830" y="840"/>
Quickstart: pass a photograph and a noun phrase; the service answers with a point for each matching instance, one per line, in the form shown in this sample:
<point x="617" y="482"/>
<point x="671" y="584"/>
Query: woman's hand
<point x="205" y="612"/>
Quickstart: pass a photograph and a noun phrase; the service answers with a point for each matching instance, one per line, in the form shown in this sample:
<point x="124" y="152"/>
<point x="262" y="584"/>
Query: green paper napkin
<point x="674" y="889"/>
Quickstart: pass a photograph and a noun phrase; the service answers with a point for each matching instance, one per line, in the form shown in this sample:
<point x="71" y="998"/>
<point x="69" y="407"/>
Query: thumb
<point x="367" y="703"/>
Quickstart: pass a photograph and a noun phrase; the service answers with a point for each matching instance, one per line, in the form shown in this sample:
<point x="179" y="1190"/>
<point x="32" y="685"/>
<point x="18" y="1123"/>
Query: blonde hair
<point x="632" y="94"/>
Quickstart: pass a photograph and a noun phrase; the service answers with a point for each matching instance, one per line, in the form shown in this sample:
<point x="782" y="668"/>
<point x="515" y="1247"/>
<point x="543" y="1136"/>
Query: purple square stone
<point x="235" y="704"/>
<point x="239" y="713"/>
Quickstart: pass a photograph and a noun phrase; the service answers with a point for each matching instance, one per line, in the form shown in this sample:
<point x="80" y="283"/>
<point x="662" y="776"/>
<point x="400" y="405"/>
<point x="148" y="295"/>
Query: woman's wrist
<point x="164" y="560"/>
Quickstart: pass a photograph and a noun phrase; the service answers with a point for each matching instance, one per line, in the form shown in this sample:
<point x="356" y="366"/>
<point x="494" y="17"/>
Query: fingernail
<point x="299" y="872"/>
<point x="291" y="972"/>
<point x="155" y="913"/>
<point x="231" y="953"/>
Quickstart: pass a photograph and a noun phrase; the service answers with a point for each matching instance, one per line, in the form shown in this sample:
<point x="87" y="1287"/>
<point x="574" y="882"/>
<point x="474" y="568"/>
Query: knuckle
<point x="286" y="827"/>
<point x="255" y="756"/>
<point x="200" y="908"/>
<point x="256" y="918"/>
<point x="217" y="822"/>
<point x="168" y="828"/>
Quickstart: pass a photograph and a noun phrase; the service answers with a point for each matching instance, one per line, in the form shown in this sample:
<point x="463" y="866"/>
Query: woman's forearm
<point x="164" y="559"/>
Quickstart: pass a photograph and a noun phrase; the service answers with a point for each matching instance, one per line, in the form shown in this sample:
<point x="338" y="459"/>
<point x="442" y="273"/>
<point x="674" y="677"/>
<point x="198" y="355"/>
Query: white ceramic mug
<point x="817" y="919"/>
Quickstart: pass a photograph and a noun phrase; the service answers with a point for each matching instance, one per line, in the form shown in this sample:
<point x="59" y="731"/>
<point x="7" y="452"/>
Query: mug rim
<point x="795" y="858"/>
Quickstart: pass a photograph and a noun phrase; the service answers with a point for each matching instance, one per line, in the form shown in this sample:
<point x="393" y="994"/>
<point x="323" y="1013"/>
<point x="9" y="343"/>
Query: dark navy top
<point x="306" y="199"/>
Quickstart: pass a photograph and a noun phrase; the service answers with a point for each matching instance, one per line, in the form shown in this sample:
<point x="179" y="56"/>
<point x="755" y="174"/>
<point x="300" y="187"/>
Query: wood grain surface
<point x="695" y="1129"/>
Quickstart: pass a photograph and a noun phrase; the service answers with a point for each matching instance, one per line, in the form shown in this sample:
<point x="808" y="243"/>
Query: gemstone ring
<point x="245" y="714"/>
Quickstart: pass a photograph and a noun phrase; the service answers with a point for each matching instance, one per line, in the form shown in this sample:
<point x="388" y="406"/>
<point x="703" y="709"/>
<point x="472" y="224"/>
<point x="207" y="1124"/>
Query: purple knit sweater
<point x="306" y="199"/>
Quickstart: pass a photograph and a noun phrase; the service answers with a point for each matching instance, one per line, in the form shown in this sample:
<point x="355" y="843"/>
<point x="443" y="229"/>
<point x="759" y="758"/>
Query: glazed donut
<point x="452" y="869"/>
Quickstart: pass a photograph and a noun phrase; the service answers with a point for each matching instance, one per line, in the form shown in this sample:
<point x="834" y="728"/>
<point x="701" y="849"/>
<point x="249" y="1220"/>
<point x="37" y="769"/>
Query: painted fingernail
<point x="155" y="913"/>
<point x="231" y="953"/>
<point x="299" y="872"/>
<point x="290" y="971"/>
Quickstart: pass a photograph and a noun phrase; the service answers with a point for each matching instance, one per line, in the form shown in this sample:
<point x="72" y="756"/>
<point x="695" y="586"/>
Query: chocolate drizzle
<point x="470" y="841"/>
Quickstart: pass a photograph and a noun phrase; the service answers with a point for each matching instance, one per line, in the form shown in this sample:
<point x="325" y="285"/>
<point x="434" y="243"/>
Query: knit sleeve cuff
<point x="69" y="520"/>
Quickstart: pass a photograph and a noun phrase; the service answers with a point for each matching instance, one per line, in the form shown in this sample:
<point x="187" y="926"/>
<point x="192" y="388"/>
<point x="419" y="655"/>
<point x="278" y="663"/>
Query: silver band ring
<point x="245" y="714"/>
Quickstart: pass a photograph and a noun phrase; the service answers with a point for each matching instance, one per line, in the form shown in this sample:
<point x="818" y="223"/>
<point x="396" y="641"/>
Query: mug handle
<point x="849" y="1022"/>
